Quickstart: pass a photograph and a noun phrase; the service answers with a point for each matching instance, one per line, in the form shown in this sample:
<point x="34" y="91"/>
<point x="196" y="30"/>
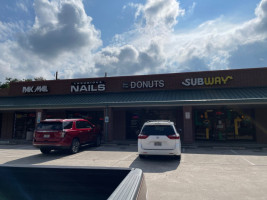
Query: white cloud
<point x="9" y="30"/>
<point x="191" y="9"/>
<point x="63" y="38"/>
<point x="161" y="13"/>
<point x="60" y="27"/>
<point x="128" y="60"/>
<point x="215" y="42"/>
<point x="155" y="22"/>
<point x="22" y="6"/>
<point x="210" y="46"/>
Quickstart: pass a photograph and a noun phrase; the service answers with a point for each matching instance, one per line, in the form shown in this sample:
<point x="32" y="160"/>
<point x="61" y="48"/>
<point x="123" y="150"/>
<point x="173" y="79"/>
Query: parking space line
<point x="233" y="151"/>
<point x="123" y="159"/>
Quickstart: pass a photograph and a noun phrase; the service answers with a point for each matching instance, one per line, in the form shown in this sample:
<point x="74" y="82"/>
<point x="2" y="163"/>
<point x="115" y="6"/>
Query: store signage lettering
<point x="88" y="86"/>
<point x="143" y="84"/>
<point x="209" y="81"/>
<point x="35" y="89"/>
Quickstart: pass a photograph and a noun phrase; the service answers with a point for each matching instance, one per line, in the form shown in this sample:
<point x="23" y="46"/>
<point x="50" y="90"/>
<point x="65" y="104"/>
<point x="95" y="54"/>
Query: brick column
<point x="188" y="124"/>
<point x="119" y="125"/>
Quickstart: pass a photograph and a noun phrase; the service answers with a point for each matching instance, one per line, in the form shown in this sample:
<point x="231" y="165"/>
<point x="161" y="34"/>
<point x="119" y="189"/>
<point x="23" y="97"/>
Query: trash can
<point x="29" y="135"/>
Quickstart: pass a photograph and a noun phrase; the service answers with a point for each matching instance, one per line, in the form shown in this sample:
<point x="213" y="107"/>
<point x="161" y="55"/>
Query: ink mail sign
<point x="88" y="86"/>
<point x="35" y="89"/>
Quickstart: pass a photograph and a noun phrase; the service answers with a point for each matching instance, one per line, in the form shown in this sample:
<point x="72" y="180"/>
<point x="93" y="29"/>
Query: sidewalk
<point x="195" y="145"/>
<point x="14" y="141"/>
<point x="226" y="145"/>
<point x="202" y="144"/>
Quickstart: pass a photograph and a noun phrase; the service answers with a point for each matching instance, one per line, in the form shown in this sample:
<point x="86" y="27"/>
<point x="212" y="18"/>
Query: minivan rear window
<point x="55" y="126"/>
<point x="158" y="130"/>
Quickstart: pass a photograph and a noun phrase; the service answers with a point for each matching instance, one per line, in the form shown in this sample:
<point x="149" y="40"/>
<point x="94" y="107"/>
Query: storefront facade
<point x="226" y="105"/>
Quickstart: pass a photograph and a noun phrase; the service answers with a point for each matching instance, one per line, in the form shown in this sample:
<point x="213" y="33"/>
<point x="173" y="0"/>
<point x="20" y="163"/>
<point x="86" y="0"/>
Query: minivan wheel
<point x="178" y="157"/>
<point x="45" y="150"/>
<point x="141" y="156"/>
<point x="75" y="146"/>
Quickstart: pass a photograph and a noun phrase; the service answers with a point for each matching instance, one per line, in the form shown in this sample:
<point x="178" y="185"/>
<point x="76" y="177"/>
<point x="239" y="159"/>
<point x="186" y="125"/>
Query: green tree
<point x="9" y="80"/>
<point x="39" y="78"/>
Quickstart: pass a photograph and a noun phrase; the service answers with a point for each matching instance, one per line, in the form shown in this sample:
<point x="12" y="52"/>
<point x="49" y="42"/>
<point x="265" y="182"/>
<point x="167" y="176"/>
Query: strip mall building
<point x="227" y="105"/>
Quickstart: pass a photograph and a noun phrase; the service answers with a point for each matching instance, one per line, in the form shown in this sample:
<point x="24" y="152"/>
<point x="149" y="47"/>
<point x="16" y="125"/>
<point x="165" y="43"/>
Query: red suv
<point x="65" y="134"/>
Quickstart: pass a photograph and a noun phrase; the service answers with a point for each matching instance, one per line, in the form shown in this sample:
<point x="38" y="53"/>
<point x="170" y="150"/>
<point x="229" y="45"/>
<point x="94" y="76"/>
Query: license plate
<point x="157" y="143"/>
<point x="46" y="136"/>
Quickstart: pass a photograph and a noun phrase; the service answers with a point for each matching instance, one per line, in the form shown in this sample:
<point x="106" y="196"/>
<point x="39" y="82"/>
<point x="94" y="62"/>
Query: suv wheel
<point x="75" y="146"/>
<point x="45" y="150"/>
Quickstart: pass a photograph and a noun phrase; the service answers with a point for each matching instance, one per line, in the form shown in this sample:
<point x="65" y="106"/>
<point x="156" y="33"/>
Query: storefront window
<point x="136" y="118"/>
<point x="224" y="124"/>
<point x="95" y="117"/>
<point x="0" y="125"/>
<point x="24" y="125"/>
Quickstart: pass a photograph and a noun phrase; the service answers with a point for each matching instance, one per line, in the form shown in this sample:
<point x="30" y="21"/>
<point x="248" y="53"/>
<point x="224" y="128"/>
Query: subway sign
<point x="207" y="81"/>
<point x="88" y="86"/>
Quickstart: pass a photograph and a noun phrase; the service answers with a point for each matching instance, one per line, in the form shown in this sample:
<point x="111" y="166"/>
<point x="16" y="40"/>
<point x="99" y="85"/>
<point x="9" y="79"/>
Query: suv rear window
<point x="67" y="125"/>
<point x="158" y="130"/>
<point x="56" y="126"/>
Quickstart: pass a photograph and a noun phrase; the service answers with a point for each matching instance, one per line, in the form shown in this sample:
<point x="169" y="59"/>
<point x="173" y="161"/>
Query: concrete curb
<point x="14" y="142"/>
<point x="245" y="147"/>
<point x="184" y="146"/>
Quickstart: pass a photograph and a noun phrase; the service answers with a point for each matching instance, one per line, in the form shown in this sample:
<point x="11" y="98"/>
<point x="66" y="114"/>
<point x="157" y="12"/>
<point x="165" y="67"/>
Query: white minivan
<point x="159" y="137"/>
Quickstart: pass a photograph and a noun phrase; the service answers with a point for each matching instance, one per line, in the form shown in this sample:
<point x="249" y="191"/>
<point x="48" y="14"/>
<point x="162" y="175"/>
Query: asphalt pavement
<point x="202" y="173"/>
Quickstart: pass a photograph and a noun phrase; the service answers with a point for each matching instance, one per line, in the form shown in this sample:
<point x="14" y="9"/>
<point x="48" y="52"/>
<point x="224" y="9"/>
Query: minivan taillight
<point x="173" y="137"/>
<point x="141" y="136"/>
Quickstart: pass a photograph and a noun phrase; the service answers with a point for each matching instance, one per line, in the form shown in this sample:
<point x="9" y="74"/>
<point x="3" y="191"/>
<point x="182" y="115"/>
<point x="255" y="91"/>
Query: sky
<point x="86" y="39"/>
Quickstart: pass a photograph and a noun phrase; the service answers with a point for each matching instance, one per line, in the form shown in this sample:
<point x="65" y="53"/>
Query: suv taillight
<point x="62" y="134"/>
<point x="141" y="136"/>
<point x="173" y="137"/>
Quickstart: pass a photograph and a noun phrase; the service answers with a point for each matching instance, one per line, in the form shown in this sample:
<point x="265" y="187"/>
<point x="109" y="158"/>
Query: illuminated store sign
<point x="209" y="81"/>
<point x="35" y="89"/>
<point x="143" y="84"/>
<point x="88" y="86"/>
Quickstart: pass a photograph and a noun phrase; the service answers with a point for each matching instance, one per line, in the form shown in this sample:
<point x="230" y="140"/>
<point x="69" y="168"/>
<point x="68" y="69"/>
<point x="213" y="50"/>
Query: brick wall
<point x="240" y="78"/>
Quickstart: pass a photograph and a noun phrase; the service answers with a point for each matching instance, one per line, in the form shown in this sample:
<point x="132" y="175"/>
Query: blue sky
<point x="132" y="37"/>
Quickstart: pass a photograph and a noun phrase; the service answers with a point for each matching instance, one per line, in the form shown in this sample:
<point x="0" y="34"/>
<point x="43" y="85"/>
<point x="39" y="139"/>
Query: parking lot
<point x="202" y="173"/>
